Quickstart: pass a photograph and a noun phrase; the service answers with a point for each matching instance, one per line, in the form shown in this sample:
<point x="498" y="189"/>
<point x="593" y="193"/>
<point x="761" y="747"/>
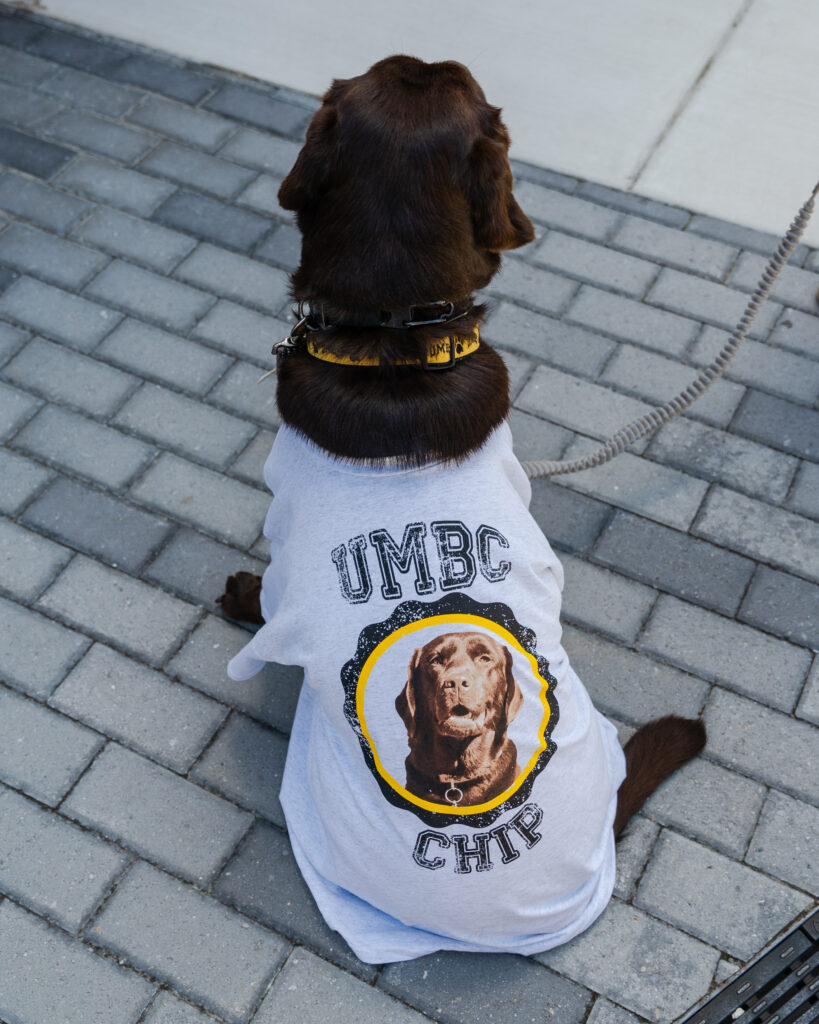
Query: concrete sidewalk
<point x="145" y="874"/>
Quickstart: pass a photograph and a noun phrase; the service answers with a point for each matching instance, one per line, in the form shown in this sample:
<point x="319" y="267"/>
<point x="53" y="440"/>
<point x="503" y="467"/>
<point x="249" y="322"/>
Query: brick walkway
<point x="144" y="871"/>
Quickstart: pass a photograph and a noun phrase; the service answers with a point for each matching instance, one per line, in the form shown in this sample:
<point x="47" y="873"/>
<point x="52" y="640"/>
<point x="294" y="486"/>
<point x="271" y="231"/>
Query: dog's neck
<point x="407" y="414"/>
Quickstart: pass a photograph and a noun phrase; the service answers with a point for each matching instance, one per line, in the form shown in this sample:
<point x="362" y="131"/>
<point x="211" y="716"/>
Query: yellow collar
<point x="441" y="353"/>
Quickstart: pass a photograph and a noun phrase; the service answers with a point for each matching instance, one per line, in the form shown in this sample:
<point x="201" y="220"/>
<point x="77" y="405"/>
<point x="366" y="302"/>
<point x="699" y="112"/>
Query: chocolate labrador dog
<point x="394" y="436"/>
<point x="457" y="705"/>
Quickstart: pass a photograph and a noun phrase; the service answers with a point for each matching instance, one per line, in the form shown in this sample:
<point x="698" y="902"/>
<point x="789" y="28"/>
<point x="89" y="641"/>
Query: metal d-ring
<point x="454" y="800"/>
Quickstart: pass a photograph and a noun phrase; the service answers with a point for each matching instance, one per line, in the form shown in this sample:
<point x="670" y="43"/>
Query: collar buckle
<point x="444" y="317"/>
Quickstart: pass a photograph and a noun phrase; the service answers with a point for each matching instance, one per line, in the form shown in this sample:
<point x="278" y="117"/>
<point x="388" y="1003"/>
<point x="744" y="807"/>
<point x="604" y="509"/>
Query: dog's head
<point x="403" y="190"/>
<point x="460" y="686"/>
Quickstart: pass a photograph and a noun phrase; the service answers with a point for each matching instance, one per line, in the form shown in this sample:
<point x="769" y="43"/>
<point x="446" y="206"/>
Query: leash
<point x="647" y="424"/>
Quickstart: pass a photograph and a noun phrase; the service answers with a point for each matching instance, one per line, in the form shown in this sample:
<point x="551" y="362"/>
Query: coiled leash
<point x="647" y="424"/>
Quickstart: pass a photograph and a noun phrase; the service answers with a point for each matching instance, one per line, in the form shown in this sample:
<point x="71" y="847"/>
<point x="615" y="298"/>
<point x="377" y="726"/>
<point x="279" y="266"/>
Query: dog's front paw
<point x="241" y="599"/>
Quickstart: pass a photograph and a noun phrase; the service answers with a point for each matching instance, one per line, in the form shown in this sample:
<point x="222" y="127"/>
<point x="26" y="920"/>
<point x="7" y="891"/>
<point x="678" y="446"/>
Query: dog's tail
<point x="653" y="753"/>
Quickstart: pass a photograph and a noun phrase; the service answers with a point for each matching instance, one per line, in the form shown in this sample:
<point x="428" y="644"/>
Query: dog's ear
<point x="514" y="697"/>
<point x="405" y="701"/>
<point x="314" y="164"/>
<point x="497" y="220"/>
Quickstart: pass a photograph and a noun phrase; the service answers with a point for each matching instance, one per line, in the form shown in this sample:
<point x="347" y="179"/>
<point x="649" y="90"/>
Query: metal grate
<point x="779" y="987"/>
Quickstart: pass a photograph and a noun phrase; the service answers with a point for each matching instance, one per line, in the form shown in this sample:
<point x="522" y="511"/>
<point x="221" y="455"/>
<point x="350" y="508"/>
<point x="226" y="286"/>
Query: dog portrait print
<point x="457" y="705"/>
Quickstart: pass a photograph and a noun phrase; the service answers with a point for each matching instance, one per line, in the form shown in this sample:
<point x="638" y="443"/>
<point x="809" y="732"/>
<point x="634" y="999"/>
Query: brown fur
<point x="403" y="195"/>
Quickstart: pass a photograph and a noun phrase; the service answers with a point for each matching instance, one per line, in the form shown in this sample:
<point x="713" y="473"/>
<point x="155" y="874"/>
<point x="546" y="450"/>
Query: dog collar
<point x="441" y="353"/>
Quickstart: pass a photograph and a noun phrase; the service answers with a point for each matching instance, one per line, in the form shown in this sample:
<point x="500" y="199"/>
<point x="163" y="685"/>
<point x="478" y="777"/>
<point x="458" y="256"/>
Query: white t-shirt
<point x="448" y="783"/>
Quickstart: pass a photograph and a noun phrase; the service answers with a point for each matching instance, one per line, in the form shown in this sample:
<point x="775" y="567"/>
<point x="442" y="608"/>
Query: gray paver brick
<point x="570" y="521"/>
<point x="241" y="392"/>
<point x="180" y="83"/>
<point x="197" y="127"/>
<point x="36" y="252"/>
<point x="270" y="697"/>
<point x="775" y="422"/>
<point x="22" y="479"/>
<point x="107" y="138"/>
<point x="633" y="850"/>
<point x="551" y="341"/>
<point x="794" y="286"/>
<point x="265" y="152"/>
<point x="262" y="195"/>
<point x="41" y="753"/>
<point x="51" y="866"/>
<point x="179" y="423"/>
<point x="23" y="69"/>
<point x="717" y="455"/>
<point x="35" y="653"/>
<point x="632" y="203"/>
<point x="657" y="379"/>
<point x="709" y="803"/>
<point x="28" y="562"/>
<point x="686" y="883"/>
<point x="762" y="743"/>
<point x="25" y="153"/>
<point x="199" y="170"/>
<point x="736" y="656"/>
<point x="786" y="841"/>
<point x="196" y="567"/>
<point x="150" y="296"/>
<point x="12" y="340"/>
<point x="234" y="277"/>
<point x="470" y="988"/>
<point x="736" y="234"/>
<point x="62" y="375"/>
<point x="604" y="601"/>
<point x="25" y="108"/>
<point x="282" y="246"/>
<point x="119" y="186"/>
<point x="155" y="354"/>
<point x="308" y="985"/>
<point x="83" y="446"/>
<point x="206" y="952"/>
<point x="708" y="301"/>
<point x="250" y="464"/>
<point x="804" y="496"/>
<point x="264" y="881"/>
<point x="156" y="813"/>
<point x="578" y="404"/>
<point x="40" y="203"/>
<point x="567" y="212"/>
<point x="84" y="90"/>
<point x="213" y="220"/>
<point x="648" y="488"/>
<point x="783" y="605"/>
<point x="674" y="247"/>
<point x="139" y="707"/>
<point x="246" y="763"/>
<point x="625" y="955"/>
<point x="168" y="1009"/>
<point x="762" y="366"/>
<point x="797" y="331"/>
<point x="15" y="408"/>
<point x="97" y="523"/>
<point x="595" y="264"/>
<point x="605" y="1012"/>
<point x="67" y="47"/>
<point x="259" y="108"/>
<point x="542" y="289"/>
<point x="114" y="607"/>
<point x="241" y="331"/>
<point x="231" y="510"/>
<point x="669" y="560"/>
<point x="57" y="313"/>
<point x="543" y="176"/>
<point x="137" y="239"/>
<point x="48" y="977"/>
<point x="761" y="531"/>
<point x="632" y="686"/>
<point x="628" y="320"/>
<point x="808" y="707"/>
<point x="534" y="438"/>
